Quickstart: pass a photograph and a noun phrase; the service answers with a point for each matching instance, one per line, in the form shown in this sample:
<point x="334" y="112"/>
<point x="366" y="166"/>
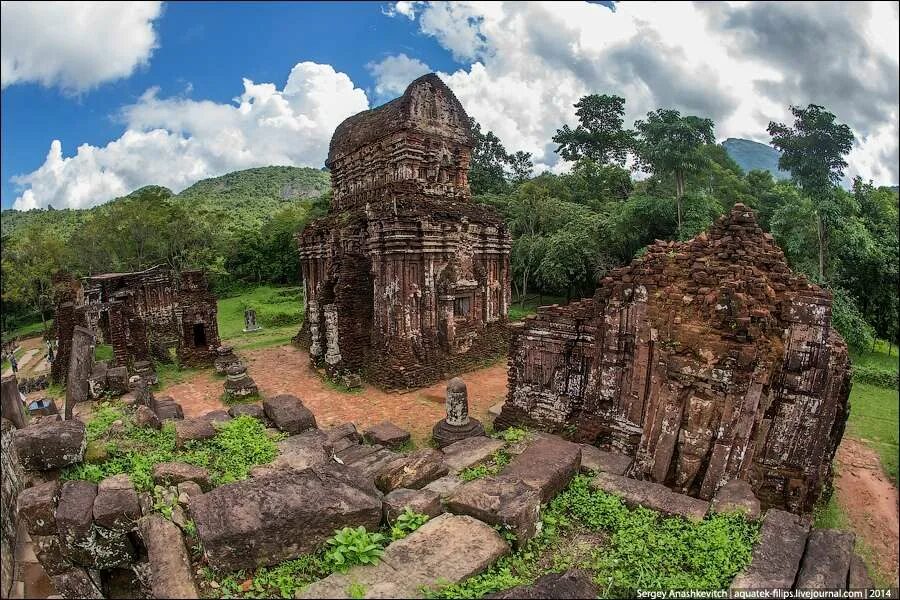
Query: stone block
<point x="302" y="451"/>
<point x="289" y="414"/>
<point x="50" y="444"/>
<point x="446" y="549"/>
<point x="145" y="417"/>
<point x="170" y="566"/>
<point x="117" y="381"/>
<point x="173" y="473"/>
<point x="651" y="495"/>
<point x="267" y="520"/>
<point x="76" y="583"/>
<point x="510" y="503"/>
<point x="167" y="408"/>
<point x="597" y="460"/>
<point x="252" y="410"/>
<point x="444" y="486"/>
<point x="826" y="561"/>
<point x="736" y="496"/>
<point x="37" y="508"/>
<point x="387" y="434"/>
<point x="548" y="465"/>
<point x="116" y="505"/>
<point x="82" y="542"/>
<point x="49" y="552"/>
<point x="187" y="430"/>
<point x="776" y="557"/>
<point x="426" y="502"/>
<point x="572" y="584"/>
<point x="858" y="578"/>
<point x="412" y="471"/>
<point x="470" y="452"/>
<point x="216" y="416"/>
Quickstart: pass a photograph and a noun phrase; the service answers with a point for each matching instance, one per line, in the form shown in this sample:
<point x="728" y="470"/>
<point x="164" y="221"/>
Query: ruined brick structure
<point x="141" y="315"/>
<point x="707" y="360"/>
<point x="406" y="279"/>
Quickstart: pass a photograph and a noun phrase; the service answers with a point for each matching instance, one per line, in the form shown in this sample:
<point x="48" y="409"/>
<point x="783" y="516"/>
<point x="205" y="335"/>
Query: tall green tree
<point x="668" y="143"/>
<point x="599" y="135"/>
<point x="813" y="151"/>
<point x="493" y="170"/>
<point x="28" y="264"/>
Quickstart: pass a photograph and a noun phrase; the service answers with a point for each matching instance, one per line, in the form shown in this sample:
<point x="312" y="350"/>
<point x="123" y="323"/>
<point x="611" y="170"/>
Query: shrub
<point x="886" y="378"/>
<point x="849" y="321"/>
<point x="349" y="547"/>
<point x="406" y="523"/>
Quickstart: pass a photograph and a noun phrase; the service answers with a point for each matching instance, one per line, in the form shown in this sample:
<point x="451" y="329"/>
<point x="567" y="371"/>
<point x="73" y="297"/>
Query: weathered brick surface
<point x="406" y="279"/>
<point x="706" y="360"/>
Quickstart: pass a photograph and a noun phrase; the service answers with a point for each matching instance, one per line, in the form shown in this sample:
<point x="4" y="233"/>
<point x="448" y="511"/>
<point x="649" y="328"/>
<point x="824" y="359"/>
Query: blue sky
<point x="172" y="93"/>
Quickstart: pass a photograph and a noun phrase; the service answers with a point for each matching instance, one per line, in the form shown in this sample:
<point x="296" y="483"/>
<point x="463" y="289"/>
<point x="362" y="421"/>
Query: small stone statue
<point x="250" y="321"/>
<point x="458" y="425"/>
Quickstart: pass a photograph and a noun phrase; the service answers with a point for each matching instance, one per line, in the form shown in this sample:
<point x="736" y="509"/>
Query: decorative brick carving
<point x="406" y="280"/>
<point x="706" y="361"/>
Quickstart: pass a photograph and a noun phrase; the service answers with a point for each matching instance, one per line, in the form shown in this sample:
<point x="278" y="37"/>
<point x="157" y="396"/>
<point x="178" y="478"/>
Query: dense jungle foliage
<point x="568" y="229"/>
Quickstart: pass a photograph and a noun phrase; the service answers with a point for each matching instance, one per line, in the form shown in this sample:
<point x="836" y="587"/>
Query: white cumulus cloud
<point x="176" y="141"/>
<point x="394" y="73"/>
<point x="742" y="64"/>
<point x="74" y="45"/>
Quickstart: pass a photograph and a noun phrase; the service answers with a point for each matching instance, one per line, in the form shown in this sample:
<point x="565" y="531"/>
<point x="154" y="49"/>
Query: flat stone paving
<point x="286" y="370"/>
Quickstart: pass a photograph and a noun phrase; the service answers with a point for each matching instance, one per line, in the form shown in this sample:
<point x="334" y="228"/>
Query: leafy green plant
<point x="349" y="547"/>
<point x="161" y="504"/>
<point x="356" y="590"/>
<point x="511" y="435"/>
<point x="498" y="460"/>
<point x="406" y="523"/>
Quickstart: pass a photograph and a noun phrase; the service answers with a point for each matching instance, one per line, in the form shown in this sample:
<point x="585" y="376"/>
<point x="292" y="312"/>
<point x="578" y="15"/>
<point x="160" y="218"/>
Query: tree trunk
<point x="81" y="363"/>
<point x="524" y="289"/>
<point x="679" y="192"/>
<point x="821" y="234"/>
<point x="43" y="321"/>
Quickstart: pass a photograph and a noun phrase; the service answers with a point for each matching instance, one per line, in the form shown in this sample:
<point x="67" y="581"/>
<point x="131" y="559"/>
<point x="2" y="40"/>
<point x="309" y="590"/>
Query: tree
<point x="493" y="169"/>
<point x="813" y="151"/>
<point x="599" y="135"/>
<point x="670" y="144"/>
<point x="28" y="265"/>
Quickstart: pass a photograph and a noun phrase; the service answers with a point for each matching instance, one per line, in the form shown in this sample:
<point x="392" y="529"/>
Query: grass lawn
<point x="880" y="358"/>
<point x="874" y="419"/>
<point x="279" y="311"/>
<point x="517" y="311"/>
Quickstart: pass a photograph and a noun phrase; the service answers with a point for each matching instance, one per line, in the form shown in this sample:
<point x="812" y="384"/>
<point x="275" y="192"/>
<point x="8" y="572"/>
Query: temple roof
<point x="375" y="124"/>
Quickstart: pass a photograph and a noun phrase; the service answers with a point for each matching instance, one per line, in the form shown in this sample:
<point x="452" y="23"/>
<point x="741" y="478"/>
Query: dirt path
<point x="870" y="502"/>
<point x="33" y="361"/>
<point x="286" y="370"/>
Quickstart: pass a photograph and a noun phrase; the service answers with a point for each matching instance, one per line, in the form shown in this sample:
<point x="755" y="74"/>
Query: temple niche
<point x="142" y="315"/>
<point x="406" y="279"/>
<point x="705" y="361"/>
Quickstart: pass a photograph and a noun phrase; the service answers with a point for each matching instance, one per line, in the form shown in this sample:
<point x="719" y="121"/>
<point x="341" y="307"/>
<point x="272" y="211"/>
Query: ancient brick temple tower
<point x="406" y="279"/>
<point x="707" y="360"/>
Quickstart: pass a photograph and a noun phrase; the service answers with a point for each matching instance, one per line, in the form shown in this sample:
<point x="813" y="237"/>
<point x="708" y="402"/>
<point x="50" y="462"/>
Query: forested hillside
<point x="568" y="229"/>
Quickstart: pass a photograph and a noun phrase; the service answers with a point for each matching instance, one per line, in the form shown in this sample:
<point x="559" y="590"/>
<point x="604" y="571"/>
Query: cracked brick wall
<point x="406" y="280"/>
<point x="707" y="360"/>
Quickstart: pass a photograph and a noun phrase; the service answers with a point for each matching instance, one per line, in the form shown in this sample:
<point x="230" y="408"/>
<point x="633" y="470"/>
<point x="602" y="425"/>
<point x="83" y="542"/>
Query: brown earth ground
<point x="286" y="370"/>
<point x="870" y="503"/>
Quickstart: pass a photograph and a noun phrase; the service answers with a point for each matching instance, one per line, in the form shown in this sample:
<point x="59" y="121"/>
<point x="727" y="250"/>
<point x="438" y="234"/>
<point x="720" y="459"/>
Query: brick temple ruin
<point x="707" y="360"/>
<point x="142" y="315"/>
<point x="406" y="279"/>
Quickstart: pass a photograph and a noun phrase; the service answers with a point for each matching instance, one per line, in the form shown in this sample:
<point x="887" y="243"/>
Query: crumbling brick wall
<point x="706" y="360"/>
<point x="13" y="481"/>
<point x="134" y="311"/>
<point x="406" y="280"/>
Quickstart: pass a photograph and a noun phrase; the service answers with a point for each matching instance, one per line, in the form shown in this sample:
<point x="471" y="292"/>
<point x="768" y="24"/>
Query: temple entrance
<point x="199" y="335"/>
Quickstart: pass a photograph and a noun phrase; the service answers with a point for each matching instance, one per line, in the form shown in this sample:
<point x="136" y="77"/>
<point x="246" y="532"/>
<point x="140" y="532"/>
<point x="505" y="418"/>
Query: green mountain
<point x="750" y="155"/>
<point x="239" y="198"/>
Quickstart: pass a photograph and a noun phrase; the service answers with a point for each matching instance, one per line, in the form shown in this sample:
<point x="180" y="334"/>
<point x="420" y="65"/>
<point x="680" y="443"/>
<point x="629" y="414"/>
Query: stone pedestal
<point x="458" y="425"/>
<point x="225" y="358"/>
<point x="250" y="321"/>
<point x="238" y="384"/>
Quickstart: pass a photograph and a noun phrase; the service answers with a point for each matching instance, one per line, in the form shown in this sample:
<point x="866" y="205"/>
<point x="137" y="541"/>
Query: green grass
<point x="103" y="352"/>
<point x="173" y="374"/>
<point x="874" y="419"/>
<point x="18" y="354"/>
<point x="517" y="312"/>
<point x="279" y="310"/>
<point x="626" y="549"/>
<point x="880" y="358"/>
<point x="492" y="466"/>
<point x="239" y="445"/>
<point x="29" y="330"/>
